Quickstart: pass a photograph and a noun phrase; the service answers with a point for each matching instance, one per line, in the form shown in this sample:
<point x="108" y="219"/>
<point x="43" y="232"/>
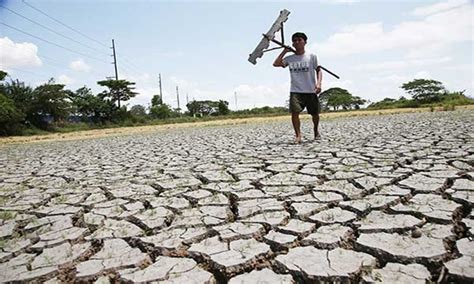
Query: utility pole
<point x="115" y="64"/>
<point x="187" y="98"/>
<point x="161" y="93"/>
<point x="235" y="96"/>
<point x="177" y="97"/>
<point x="115" y="60"/>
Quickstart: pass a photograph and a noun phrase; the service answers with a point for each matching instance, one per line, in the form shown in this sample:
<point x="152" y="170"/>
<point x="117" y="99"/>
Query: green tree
<point x="223" y="107"/>
<point x="323" y="100"/>
<point x="208" y="107"/>
<point x="21" y="94"/>
<point x="357" y="102"/>
<point x="3" y="74"/>
<point x="338" y="97"/>
<point x="118" y="90"/>
<point x="161" y="111"/>
<point x="156" y="100"/>
<point x="49" y="100"/>
<point x="385" y="103"/>
<point x="138" y="111"/>
<point x="425" y="91"/>
<point x="92" y="108"/>
<point x="194" y="108"/>
<point x="198" y="108"/>
<point x="10" y="116"/>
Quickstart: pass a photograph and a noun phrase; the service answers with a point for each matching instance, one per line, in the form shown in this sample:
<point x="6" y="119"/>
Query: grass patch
<point x="7" y="215"/>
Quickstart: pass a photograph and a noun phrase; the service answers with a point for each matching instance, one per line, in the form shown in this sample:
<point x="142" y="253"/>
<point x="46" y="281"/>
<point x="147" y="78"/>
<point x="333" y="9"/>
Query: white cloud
<point x="402" y="64"/>
<point x="138" y="78"/>
<point x="249" y="96"/>
<point x="423" y="75"/>
<point x="181" y="83"/>
<point x="438" y="7"/>
<point x="340" y="1"/>
<point x="440" y="29"/>
<point x="332" y="83"/>
<point x="351" y="40"/>
<point x="379" y="87"/>
<point x="147" y="87"/>
<point x="65" y="80"/>
<point x="144" y="96"/>
<point x="79" y="65"/>
<point x="393" y="79"/>
<point x="171" y="54"/>
<point x="18" y="54"/>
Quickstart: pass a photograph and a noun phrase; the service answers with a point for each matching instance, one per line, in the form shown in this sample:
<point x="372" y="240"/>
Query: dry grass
<point x="97" y="133"/>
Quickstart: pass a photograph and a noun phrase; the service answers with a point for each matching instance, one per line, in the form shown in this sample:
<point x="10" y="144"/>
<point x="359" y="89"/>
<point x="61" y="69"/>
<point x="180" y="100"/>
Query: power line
<point x="129" y="70"/>
<point x="42" y="57"/>
<point x="131" y="67"/>
<point x="21" y="70"/>
<point x="59" y="22"/>
<point x="129" y="64"/>
<point x="71" y="28"/>
<point x="51" y="30"/>
<point x="51" y="59"/>
<point x="52" y="43"/>
<point x="127" y="67"/>
<point x="125" y="71"/>
<point x="53" y="65"/>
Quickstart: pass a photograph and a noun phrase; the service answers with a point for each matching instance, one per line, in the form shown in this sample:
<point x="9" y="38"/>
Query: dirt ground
<point x="97" y="133"/>
<point x="379" y="198"/>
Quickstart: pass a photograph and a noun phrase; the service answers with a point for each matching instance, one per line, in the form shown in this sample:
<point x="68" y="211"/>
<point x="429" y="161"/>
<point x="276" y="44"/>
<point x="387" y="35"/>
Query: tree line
<point x="50" y="106"/>
<point x="424" y="92"/>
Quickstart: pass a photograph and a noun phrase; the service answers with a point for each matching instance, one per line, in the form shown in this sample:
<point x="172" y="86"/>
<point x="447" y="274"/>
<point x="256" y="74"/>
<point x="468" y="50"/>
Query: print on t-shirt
<point x="297" y="67"/>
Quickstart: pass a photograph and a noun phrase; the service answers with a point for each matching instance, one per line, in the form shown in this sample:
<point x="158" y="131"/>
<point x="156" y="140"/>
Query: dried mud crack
<point x="378" y="199"/>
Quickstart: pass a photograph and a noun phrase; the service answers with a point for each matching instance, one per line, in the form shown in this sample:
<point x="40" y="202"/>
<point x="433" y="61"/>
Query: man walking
<point x="304" y="85"/>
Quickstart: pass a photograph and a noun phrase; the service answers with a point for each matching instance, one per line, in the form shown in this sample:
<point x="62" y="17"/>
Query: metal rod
<point x="328" y="71"/>
<point x="282" y="45"/>
<point x="292" y="49"/>
<point x="279" y="43"/>
<point x="270" y="49"/>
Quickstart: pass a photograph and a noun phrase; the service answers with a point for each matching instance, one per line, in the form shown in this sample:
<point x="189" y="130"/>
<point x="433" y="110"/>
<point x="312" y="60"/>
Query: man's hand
<point x="318" y="88"/>
<point x="279" y="60"/>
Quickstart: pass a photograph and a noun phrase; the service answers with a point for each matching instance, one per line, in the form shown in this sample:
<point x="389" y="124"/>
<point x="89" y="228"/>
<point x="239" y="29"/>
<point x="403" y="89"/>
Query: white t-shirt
<point x="302" y="72"/>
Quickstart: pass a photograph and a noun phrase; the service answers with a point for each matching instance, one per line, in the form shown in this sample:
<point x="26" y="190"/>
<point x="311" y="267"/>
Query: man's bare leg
<point x="295" y="119"/>
<point x="316" y="126"/>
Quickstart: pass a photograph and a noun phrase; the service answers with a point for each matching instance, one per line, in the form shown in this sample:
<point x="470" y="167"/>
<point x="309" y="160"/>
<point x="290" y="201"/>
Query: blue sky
<point x="202" y="47"/>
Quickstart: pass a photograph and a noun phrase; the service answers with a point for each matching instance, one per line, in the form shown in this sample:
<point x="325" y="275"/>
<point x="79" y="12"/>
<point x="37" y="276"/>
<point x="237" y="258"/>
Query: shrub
<point x="10" y="117"/>
<point x="448" y="107"/>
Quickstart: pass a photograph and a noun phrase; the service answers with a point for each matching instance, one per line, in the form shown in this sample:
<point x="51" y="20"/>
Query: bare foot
<point x="317" y="136"/>
<point x="298" y="139"/>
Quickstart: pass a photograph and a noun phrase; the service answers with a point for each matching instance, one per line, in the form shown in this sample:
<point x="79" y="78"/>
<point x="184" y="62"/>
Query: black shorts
<point x="299" y="101"/>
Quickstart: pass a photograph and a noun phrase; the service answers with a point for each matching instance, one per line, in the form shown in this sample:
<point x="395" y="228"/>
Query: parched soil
<point x="379" y="198"/>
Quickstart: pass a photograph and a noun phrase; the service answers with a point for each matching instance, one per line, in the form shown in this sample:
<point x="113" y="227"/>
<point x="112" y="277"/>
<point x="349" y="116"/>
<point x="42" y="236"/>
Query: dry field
<point x="90" y="134"/>
<point x="380" y="198"/>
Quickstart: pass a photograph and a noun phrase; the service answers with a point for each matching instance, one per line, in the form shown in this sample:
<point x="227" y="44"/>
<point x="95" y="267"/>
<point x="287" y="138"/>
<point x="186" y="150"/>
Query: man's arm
<point x="279" y="60"/>
<point x="319" y="75"/>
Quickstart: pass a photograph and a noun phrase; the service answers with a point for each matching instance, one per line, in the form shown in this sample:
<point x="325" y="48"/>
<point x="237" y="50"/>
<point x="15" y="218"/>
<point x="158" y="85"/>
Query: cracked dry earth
<point x="385" y="198"/>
